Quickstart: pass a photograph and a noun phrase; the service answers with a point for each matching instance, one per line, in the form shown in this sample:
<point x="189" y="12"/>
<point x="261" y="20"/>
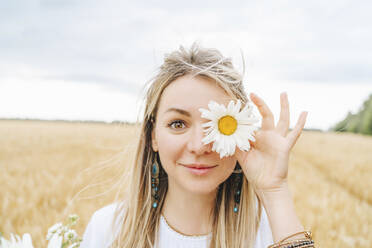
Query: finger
<point x="295" y="133"/>
<point x="283" y="123"/>
<point x="267" y="115"/>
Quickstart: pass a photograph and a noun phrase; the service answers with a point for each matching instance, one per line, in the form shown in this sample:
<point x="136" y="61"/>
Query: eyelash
<point x="175" y="121"/>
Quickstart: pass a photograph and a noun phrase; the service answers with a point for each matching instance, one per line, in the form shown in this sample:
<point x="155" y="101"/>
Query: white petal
<point x="210" y="137"/>
<point x="251" y="137"/>
<point x="218" y="137"/>
<point x="217" y="109"/>
<point x="213" y="106"/>
<point x="242" y="140"/>
<point x="248" y="120"/>
<point x="208" y="124"/>
<point x="239" y="142"/>
<point x="237" y="107"/>
<point x="245" y="147"/>
<point x="222" y="154"/>
<point x="231" y="109"/>
<point x="221" y="110"/>
<point x="221" y="144"/>
<point x="249" y="106"/>
<point x="246" y="137"/>
<point x="225" y="145"/>
<point x="231" y="145"/>
<point x="245" y="129"/>
<point x="208" y="130"/>
<point x="244" y="114"/>
<point x="230" y="106"/>
<point x="216" y="143"/>
<point x="214" y="147"/>
<point x="248" y="109"/>
<point x="202" y="110"/>
<point x="208" y="115"/>
<point x="243" y="143"/>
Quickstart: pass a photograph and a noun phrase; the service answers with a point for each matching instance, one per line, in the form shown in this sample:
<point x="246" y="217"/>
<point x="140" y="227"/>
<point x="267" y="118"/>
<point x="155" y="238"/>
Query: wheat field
<point x="51" y="169"/>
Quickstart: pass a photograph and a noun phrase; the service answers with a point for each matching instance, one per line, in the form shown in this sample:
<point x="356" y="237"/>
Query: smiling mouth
<point x="199" y="170"/>
<point x="198" y="166"/>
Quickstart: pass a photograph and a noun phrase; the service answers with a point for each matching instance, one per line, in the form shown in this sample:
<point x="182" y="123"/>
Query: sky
<point x="88" y="60"/>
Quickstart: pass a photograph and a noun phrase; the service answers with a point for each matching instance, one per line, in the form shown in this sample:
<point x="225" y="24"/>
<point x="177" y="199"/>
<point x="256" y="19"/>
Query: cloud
<point x="109" y="82"/>
<point x="291" y="41"/>
<point x="119" y="44"/>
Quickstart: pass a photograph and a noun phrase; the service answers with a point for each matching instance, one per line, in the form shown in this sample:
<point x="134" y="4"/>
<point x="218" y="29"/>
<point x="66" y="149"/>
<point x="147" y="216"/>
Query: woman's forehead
<point x="190" y="94"/>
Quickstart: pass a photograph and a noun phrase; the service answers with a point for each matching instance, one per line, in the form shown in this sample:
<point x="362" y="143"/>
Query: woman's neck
<point x="187" y="212"/>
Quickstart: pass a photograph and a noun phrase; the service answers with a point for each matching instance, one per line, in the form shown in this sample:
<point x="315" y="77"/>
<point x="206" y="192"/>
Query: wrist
<point x="274" y="194"/>
<point x="280" y="210"/>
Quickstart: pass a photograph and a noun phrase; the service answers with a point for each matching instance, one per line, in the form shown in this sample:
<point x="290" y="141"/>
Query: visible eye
<point x="176" y="124"/>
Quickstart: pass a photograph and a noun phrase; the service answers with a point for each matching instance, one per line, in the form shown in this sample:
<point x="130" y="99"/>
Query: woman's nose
<point x="195" y="143"/>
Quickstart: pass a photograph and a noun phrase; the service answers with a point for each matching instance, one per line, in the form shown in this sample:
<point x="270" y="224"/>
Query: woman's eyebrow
<point x="181" y="111"/>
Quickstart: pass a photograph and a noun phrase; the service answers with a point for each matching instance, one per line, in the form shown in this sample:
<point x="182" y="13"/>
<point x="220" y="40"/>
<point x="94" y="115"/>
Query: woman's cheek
<point x="174" y="142"/>
<point x="171" y="144"/>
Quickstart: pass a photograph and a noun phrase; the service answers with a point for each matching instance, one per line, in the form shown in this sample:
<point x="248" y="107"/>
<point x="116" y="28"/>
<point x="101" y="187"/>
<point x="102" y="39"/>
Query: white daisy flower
<point x="228" y="127"/>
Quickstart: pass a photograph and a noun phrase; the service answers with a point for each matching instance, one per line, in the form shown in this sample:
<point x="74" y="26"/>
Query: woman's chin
<point x="202" y="188"/>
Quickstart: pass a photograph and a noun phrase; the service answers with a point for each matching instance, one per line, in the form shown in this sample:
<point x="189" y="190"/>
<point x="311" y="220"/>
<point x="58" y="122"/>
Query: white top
<point x="97" y="233"/>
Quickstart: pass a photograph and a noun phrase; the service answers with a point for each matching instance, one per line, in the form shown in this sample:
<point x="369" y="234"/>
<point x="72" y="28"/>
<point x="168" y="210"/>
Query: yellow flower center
<point x="227" y="125"/>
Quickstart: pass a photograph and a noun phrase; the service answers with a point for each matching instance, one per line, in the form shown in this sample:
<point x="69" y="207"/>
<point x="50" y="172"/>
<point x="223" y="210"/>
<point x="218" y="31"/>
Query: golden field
<point x="51" y="169"/>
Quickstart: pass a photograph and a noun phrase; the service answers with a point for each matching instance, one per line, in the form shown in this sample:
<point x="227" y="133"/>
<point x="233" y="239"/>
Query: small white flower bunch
<point x="62" y="236"/>
<point x="59" y="236"/>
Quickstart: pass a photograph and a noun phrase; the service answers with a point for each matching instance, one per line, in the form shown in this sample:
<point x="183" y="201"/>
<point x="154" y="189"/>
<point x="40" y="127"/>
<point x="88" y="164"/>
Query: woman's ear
<point x="154" y="143"/>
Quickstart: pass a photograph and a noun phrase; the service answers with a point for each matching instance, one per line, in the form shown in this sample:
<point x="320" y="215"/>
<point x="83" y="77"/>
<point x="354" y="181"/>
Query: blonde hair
<point x="139" y="220"/>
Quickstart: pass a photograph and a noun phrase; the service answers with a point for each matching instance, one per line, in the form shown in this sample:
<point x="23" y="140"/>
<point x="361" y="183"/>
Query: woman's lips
<point x="199" y="171"/>
<point x="199" y="166"/>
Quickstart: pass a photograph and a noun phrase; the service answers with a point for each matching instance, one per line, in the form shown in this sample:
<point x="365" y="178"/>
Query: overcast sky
<point x="87" y="60"/>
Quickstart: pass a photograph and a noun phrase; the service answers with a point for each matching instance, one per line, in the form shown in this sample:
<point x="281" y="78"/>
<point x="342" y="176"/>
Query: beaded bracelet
<point x="307" y="242"/>
<point x="307" y="246"/>
<point x="291" y="242"/>
<point x="300" y="244"/>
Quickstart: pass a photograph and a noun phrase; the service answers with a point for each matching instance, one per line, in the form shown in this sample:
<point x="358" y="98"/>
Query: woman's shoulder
<point x="98" y="232"/>
<point x="105" y="212"/>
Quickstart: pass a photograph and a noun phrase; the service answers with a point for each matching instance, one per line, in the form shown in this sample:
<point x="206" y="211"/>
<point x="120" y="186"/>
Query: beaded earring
<point x="155" y="181"/>
<point x="238" y="181"/>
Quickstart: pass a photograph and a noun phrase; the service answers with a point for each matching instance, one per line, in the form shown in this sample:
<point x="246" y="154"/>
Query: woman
<point x="242" y="200"/>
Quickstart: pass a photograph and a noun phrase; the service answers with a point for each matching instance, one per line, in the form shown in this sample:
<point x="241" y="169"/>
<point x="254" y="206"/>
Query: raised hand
<point x="266" y="163"/>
